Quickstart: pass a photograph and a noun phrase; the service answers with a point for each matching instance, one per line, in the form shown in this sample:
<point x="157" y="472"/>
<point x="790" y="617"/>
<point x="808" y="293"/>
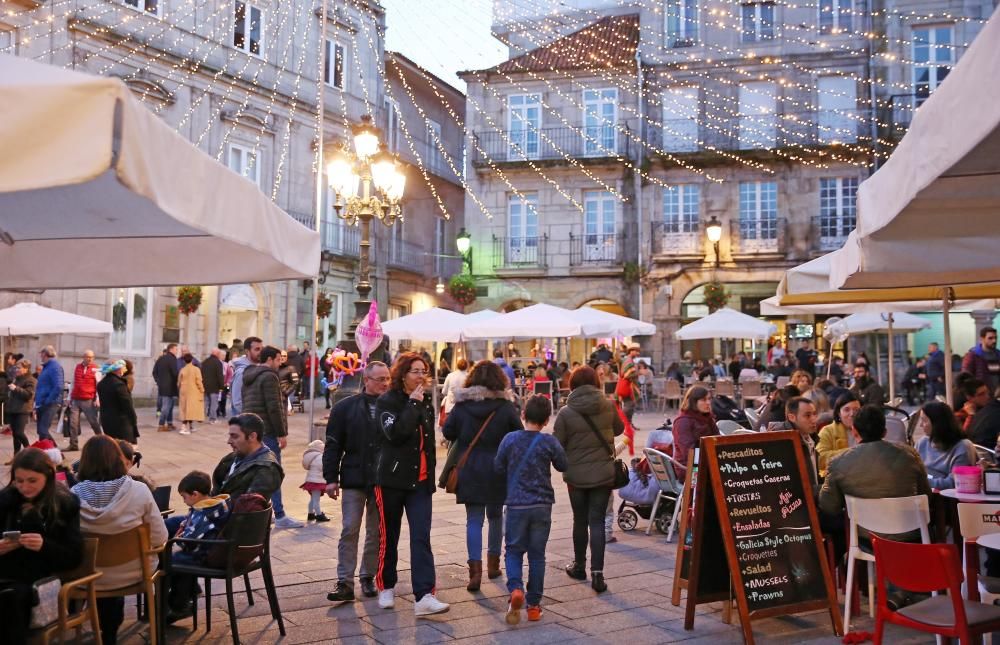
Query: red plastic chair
<point x="940" y="569"/>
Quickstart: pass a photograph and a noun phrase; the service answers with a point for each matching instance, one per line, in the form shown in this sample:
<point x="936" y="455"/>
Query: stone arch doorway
<point x="240" y="307"/>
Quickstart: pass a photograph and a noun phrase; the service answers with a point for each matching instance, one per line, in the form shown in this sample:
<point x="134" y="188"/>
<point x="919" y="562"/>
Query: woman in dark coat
<point x="20" y="401"/>
<point x="47" y="516"/>
<point x="118" y="418"/>
<point x="694" y="422"/>
<point x="483" y="400"/>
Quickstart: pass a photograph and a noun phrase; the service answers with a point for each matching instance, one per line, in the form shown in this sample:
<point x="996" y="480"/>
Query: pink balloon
<point x="368" y="335"/>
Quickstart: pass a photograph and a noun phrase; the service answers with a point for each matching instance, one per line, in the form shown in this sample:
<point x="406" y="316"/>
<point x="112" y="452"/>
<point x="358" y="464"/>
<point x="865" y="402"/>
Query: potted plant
<point x="188" y="299"/>
<point x="716" y="295"/>
<point x="323" y="306"/>
<point x="462" y="288"/>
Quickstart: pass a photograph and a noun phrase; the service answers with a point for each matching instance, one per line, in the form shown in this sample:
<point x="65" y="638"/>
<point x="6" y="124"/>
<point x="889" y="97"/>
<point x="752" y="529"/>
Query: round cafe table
<point x="990" y="541"/>
<point x="971" y="498"/>
<point x="950" y="515"/>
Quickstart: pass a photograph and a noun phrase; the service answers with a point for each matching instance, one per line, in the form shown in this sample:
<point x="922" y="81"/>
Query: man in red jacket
<point x="83" y="398"/>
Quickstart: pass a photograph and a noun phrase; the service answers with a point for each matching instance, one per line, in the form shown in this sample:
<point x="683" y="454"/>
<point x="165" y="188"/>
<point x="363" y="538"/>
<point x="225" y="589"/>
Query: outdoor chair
<point x="79" y="580"/>
<point x="752" y="416"/>
<point x="725" y="387"/>
<point x="672" y="392"/>
<point x="895" y="430"/>
<point x="887" y="515"/>
<point x="971" y="523"/>
<point x="244" y="546"/>
<point x="782" y="381"/>
<point x="982" y="452"/>
<point x="728" y="427"/>
<point x="162" y="498"/>
<point x="658" y="392"/>
<point x="123" y="548"/>
<point x="939" y="569"/>
<point x="662" y="466"/>
<point x="743" y="430"/>
<point x="750" y="390"/>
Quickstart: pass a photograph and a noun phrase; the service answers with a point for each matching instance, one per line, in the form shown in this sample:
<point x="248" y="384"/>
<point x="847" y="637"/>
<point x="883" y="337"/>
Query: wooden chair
<point x="888" y="515"/>
<point x="123" y="548"/>
<point x="79" y="580"/>
<point x="243" y="547"/>
<point x="725" y="387"/>
<point x="673" y="392"/>
<point x="938" y="569"/>
<point x="750" y="390"/>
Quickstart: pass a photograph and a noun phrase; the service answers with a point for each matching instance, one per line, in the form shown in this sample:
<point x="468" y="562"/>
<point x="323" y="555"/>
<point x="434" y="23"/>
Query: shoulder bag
<point x="621" y="470"/>
<point x="451" y="484"/>
<point x="45" y="594"/>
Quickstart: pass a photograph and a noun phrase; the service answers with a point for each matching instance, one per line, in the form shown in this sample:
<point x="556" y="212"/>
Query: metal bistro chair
<point x="750" y="390"/>
<point x="727" y="427"/>
<point x="982" y="452"/>
<point x="662" y="466"/>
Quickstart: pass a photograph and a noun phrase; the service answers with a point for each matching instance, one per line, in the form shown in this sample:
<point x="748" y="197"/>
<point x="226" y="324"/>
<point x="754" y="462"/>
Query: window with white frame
<point x="758" y="211"/>
<point x="681" y="22"/>
<point x="244" y="161"/>
<point x="758" y="121"/>
<point x="131" y="321"/>
<point x="600" y="226"/>
<point x="149" y="6"/>
<point x="757" y="21"/>
<point x="334" y="228"/>
<point x="837" y="120"/>
<point x="838" y="199"/>
<point x="433" y="158"/>
<point x="932" y="59"/>
<point x="835" y="16"/>
<point x="522" y="228"/>
<point x="8" y="40"/>
<point x="680" y="119"/>
<point x="600" y="114"/>
<point x="335" y="65"/>
<point x="681" y="208"/>
<point x="397" y="246"/>
<point x="524" y="120"/>
<point x="393" y="311"/>
<point x="248" y="28"/>
<point x="441" y="246"/>
<point x="392" y="124"/>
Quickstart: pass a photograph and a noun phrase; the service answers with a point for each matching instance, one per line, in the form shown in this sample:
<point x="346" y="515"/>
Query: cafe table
<point x="949" y="509"/>
<point x="990" y="541"/>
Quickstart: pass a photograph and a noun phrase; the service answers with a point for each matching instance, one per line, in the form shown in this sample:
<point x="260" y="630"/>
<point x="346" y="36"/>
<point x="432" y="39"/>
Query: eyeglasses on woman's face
<point x="418" y="372"/>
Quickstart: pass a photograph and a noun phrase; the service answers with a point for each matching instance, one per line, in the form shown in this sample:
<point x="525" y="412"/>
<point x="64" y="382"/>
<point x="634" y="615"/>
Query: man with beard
<point x="983" y="360"/>
<point x="865" y="389"/>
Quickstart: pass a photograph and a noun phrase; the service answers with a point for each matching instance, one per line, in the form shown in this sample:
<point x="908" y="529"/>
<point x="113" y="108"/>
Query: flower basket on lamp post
<point x="462" y="289"/>
<point x="323" y="306"/>
<point x="716" y="296"/>
<point x="188" y="299"/>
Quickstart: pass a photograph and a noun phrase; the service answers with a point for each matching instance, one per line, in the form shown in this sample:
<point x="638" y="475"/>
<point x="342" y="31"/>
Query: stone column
<point x="982" y="318"/>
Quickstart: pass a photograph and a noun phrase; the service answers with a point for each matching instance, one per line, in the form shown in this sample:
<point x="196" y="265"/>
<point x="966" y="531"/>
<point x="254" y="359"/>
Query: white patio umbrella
<point x="97" y="191"/>
<point x="866" y="323"/>
<point x="928" y="216"/>
<point x="537" y="321"/>
<point x="598" y="323"/>
<point x="32" y="319"/>
<point x="727" y="323"/>
<point x="434" y="324"/>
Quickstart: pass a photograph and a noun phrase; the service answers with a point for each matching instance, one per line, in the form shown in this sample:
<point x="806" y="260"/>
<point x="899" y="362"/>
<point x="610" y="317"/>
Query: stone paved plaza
<point x="636" y="609"/>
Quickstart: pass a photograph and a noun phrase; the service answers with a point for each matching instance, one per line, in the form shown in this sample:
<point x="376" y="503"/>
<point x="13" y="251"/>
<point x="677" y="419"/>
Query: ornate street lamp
<point x="373" y="170"/>
<point x="463" y="243"/>
<point x="713" y="230"/>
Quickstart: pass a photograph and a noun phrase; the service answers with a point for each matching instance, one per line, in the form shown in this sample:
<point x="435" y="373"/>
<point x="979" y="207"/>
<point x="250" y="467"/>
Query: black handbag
<point x="621" y="470"/>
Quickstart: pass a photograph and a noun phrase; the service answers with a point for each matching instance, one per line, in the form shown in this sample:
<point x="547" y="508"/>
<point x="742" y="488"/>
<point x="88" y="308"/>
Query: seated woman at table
<point x="942" y="446"/>
<point x="539" y="376"/>
<point x="774" y="410"/>
<point x="839" y="436"/>
<point x="694" y="422"/>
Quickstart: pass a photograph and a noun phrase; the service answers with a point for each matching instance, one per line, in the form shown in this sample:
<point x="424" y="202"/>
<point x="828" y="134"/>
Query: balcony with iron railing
<point x="530" y="144"/>
<point x="520" y="252"/>
<point x="404" y="255"/>
<point x="760" y="132"/>
<point x="341" y="239"/>
<point x="596" y="249"/>
<point x="761" y="235"/>
<point x="829" y="232"/>
<point x="676" y="238"/>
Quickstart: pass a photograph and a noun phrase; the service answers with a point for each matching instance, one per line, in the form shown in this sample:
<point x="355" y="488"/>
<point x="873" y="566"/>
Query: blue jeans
<point x="474" y="516"/>
<point x="166" y="410"/>
<point x="46" y="415"/>
<point x="174" y="523"/>
<point x="527" y="531"/>
<point x="279" y="509"/>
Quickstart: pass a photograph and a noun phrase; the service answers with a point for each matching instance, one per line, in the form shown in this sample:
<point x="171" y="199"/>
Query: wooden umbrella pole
<point x="946" y="297"/>
<point x="892" y="381"/>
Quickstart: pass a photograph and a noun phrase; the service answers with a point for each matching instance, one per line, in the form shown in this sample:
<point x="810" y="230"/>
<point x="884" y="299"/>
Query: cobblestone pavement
<point x="636" y="608"/>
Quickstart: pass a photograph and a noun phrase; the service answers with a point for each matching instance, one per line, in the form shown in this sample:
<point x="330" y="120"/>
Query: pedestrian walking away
<point x="165" y="373"/>
<point x="347" y="469"/>
<point x="253" y="346"/>
<point x="48" y="391"/>
<point x="83" y="399"/>
<point x="404" y="481"/>
<point x="117" y="410"/>
<point x="192" y="394"/>
<point x="213" y="378"/>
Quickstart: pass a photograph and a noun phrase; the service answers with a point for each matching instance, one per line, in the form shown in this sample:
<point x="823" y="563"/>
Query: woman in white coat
<point x="111" y="502"/>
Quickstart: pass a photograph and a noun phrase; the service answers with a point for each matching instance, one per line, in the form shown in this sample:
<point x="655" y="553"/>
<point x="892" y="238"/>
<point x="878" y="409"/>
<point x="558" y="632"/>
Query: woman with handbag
<point x="482" y="417"/>
<point x="41" y="537"/>
<point x="586" y="428"/>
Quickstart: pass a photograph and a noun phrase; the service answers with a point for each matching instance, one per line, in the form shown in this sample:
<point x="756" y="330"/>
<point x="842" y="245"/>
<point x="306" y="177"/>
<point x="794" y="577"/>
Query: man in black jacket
<point x="347" y="460"/>
<point x="262" y="396"/>
<point x="214" y="379"/>
<point x="251" y="467"/>
<point x="165" y="374"/>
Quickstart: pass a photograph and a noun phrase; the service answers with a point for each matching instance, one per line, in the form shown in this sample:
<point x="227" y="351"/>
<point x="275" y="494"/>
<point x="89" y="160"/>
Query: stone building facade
<point x="621" y="130"/>
<point x="241" y="80"/>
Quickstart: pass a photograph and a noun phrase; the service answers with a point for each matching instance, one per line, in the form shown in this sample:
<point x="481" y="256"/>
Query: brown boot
<point x="492" y="566"/>
<point x="162" y="429"/>
<point x="475" y="575"/>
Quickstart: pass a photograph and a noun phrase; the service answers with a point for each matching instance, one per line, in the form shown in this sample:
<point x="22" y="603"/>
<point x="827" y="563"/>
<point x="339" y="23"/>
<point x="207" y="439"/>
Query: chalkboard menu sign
<point x="755" y="496"/>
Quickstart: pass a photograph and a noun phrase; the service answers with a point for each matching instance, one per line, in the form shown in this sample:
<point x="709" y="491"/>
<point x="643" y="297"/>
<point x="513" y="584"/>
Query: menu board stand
<point x="753" y="500"/>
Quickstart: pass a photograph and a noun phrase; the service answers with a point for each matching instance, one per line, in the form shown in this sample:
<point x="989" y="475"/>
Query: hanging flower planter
<point x="188" y="299"/>
<point x="716" y="296"/>
<point x="323" y="306"/>
<point x="462" y="288"/>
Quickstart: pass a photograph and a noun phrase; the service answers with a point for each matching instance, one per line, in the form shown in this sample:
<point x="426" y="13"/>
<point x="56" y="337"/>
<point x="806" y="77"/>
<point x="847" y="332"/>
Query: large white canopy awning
<point x="32" y="319"/>
<point x="928" y="216"/>
<point x="97" y="191"/>
<point x="727" y="323"/>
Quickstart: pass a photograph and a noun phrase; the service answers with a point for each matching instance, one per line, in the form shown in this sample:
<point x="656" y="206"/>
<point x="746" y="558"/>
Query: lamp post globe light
<point x="463" y="244"/>
<point x="368" y="184"/>
<point x="713" y="230"/>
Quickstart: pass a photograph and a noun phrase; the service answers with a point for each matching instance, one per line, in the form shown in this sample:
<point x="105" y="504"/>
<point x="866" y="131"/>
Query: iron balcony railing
<point x="760" y="132"/>
<point x="535" y="144"/>
<point x="676" y="238"/>
<point x="761" y="234"/>
<point x="829" y="232"/>
<point x="519" y="252"/>
<point x="596" y="249"/>
<point x="404" y="255"/>
<point x="341" y="239"/>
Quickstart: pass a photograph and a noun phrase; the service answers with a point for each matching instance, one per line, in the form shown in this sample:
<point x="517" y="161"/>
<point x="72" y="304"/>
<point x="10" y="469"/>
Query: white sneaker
<point x="184" y="431"/>
<point x="428" y="605"/>
<point x="287" y="522"/>
<point x="387" y="599"/>
<point x="194" y="428"/>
